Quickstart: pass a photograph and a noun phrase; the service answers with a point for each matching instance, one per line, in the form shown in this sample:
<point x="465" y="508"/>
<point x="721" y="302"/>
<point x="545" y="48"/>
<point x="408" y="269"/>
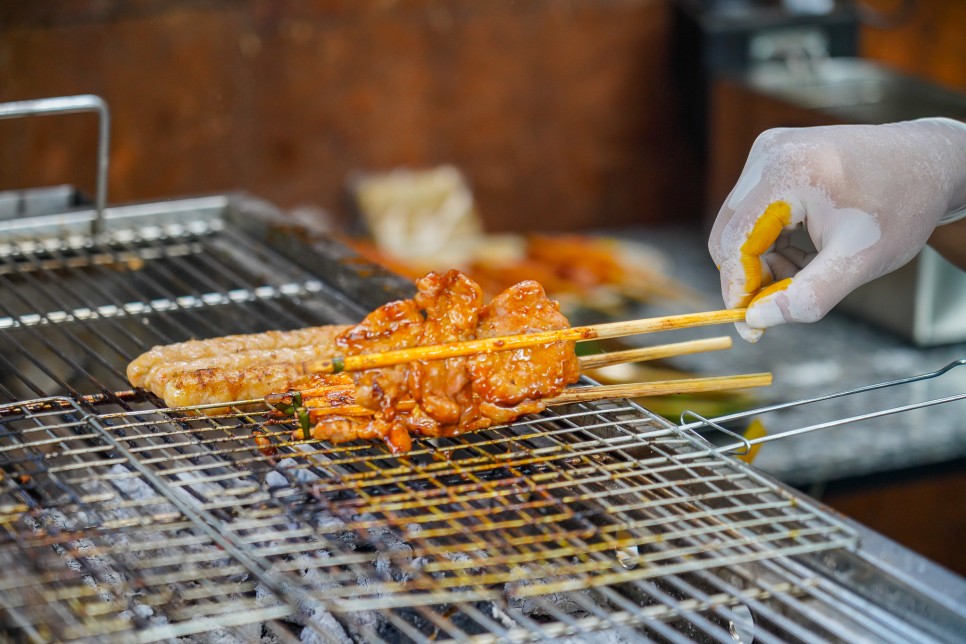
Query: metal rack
<point x="121" y="520"/>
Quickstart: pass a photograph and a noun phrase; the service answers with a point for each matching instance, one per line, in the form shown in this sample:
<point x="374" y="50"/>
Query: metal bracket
<point x="74" y="105"/>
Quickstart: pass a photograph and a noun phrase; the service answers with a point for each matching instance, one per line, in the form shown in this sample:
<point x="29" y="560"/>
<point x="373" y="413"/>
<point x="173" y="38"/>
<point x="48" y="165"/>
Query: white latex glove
<point x="868" y="195"/>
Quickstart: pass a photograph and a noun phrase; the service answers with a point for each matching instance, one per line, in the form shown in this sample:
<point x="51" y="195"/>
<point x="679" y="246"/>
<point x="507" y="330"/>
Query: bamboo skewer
<point x="325" y="395"/>
<point x="661" y="388"/>
<point x="592" y="394"/>
<point x="657" y="352"/>
<point x="594" y="361"/>
<point x="508" y="342"/>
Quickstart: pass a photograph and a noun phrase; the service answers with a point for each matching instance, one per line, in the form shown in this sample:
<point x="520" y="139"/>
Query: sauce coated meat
<point x="456" y="395"/>
<point x="427" y="398"/>
<point x="230" y="368"/>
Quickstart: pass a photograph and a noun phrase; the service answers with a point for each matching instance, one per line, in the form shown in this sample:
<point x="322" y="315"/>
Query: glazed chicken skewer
<point x="320" y="402"/>
<point x="336" y="390"/>
<point x="336" y="394"/>
<point x="190" y="394"/>
<point x="440" y="364"/>
<point x="360" y="362"/>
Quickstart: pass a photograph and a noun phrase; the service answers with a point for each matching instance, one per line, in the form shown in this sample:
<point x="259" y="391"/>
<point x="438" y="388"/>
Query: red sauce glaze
<point x="455" y="395"/>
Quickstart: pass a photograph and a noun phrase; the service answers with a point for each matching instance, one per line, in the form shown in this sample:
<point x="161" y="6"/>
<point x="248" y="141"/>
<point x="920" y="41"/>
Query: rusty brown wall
<point x="928" y="40"/>
<point x="559" y="111"/>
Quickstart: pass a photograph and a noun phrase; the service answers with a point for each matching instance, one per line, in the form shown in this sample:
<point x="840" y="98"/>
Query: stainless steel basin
<point x="855" y="90"/>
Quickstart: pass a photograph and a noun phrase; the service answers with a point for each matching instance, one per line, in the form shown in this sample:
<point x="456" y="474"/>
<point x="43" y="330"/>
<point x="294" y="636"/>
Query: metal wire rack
<point x="121" y="520"/>
<point x="527" y="514"/>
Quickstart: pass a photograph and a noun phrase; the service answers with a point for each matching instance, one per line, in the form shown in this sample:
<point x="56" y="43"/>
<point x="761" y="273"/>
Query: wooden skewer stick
<point x="661" y="388"/>
<point x="508" y="342"/>
<point x="657" y="352"/>
<point x="594" y="361"/>
<point x="335" y="394"/>
<point x="597" y="393"/>
<point x="340" y="398"/>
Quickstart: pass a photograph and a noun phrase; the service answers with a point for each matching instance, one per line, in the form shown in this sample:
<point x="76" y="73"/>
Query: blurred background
<point x="630" y="117"/>
<point x="562" y="113"/>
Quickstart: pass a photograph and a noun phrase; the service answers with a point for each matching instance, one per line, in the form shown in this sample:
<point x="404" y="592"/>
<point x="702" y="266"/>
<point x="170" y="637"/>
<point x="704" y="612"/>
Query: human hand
<point x="868" y="196"/>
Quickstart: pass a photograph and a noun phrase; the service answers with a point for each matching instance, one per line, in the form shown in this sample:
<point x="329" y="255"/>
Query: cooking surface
<point x="125" y="520"/>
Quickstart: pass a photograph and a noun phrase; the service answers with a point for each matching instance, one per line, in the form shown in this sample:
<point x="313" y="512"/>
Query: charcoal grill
<point x="122" y="520"/>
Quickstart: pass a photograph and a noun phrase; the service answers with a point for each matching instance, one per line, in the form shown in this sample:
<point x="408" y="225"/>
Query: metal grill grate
<point x="122" y="520"/>
<point x="146" y="514"/>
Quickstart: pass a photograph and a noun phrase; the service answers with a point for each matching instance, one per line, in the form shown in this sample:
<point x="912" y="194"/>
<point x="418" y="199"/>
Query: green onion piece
<point x="338" y="364"/>
<point x="286" y="408"/>
<point x="305" y="422"/>
<point x="297" y="399"/>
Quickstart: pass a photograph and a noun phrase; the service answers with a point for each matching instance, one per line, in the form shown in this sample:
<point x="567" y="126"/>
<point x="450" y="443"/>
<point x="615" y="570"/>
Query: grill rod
<point x="74" y="105"/>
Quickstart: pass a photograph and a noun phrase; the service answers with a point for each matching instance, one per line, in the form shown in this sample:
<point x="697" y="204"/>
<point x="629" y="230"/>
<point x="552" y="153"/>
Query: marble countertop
<point x="808" y="360"/>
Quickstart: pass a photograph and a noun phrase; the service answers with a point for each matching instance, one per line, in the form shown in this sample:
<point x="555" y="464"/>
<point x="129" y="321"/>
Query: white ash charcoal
<point x="119" y="483"/>
<point x="312" y="614"/>
<point x="331" y="629"/>
<point x="302" y="473"/>
<point x="133" y="547"/>
<point x="96" y="570"/>
<point x="597" y="637"/>
<point x="296" y="471"/>
<point x="133" y="486"/>
<point x="394" y="556"/>
<point x="276" y="479"/>
<point x="567" y="602"/>
<point x="461" y="558"/>
<point x="364" y="622"/>
<point x="236" y="635"/>
<point x="138" y="613"/>
<point x="315" y="578"/>
<point x="328" y="523"/>
<point x="196" y="491"/>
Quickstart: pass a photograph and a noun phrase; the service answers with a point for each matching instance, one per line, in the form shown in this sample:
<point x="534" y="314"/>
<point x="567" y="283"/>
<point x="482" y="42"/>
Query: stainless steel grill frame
<point x="122" y="520"/>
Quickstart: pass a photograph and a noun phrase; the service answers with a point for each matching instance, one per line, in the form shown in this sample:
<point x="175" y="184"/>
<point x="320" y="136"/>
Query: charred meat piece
<point x="193" y="351"/>
<point x="230" y="368"/>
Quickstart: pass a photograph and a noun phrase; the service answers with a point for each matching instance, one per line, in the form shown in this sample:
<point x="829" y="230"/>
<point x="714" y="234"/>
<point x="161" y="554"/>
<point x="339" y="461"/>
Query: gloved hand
<point x="868" y="196"/>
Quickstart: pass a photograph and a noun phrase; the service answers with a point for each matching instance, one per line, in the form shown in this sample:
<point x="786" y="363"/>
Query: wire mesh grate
<point x="498" y="531"/>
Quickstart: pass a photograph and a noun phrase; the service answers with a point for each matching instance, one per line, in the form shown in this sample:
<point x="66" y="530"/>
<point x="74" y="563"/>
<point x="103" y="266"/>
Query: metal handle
<point x="73" y="105"/>
<point x="746" y="444"/>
